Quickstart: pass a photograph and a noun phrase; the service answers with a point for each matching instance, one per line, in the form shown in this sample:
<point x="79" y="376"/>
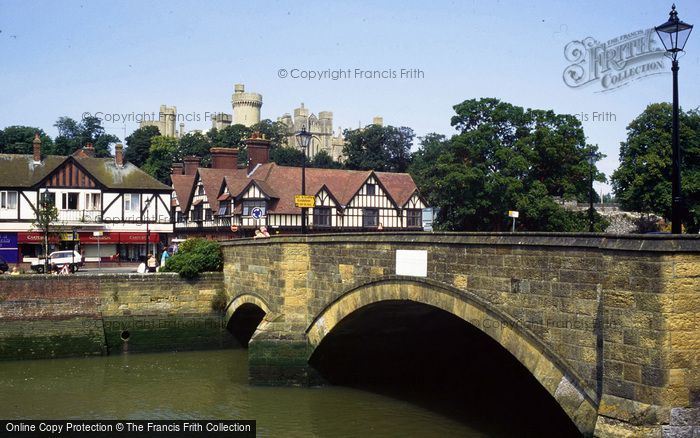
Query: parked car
<point x="60" y="258"/>
<point x="3" y="266"/>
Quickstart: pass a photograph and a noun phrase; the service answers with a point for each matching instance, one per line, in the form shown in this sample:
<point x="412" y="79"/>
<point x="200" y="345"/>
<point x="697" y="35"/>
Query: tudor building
<point x="103" y="202"/>
<point x="226" y="201"/>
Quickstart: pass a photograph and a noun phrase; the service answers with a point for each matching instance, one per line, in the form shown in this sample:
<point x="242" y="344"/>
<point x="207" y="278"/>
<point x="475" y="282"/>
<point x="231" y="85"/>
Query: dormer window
<point x="200" y="189"/>
<point x="224" y="208"/>
<point x="371" y="189"/>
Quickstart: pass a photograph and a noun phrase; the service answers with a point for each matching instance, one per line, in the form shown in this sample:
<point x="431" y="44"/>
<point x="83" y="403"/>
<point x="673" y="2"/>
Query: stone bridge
<point x="608" y="325"/>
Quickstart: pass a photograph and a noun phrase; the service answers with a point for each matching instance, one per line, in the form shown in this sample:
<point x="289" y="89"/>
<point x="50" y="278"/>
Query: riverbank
<point x="46" y="316"/>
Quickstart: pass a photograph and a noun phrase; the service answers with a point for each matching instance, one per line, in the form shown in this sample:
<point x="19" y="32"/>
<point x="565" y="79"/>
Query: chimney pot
<point x="258" y="151"/>
<point x="224" y="158"/>
<point x="36" y="147"/>
<point x="191" y="163"/>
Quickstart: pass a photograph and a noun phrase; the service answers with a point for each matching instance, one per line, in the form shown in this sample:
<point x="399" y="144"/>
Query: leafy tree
<point x="276" y="132"/>
<point x="323" y="160"/>
<point x="285" y="156"/>
<point x="73" y="135"/>
<point x="502" y="160"/>
<point x="195" y="256"/>
<point x="381" y="148"/>
<point x="160" y="158"/>
<point x="195" y="144"/>
<point x="46" y="217"/>
<point x="18" y="140"/>
<point x="138" y="145"/>
<point x="231" y="137"/>
<point x="642" y="182"/>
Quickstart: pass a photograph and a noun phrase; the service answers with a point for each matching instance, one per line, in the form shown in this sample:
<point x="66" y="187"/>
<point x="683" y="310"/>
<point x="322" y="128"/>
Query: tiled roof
<point x="21" y="171"/>
<point x="183" y="186"/>
<point x="213" y="179"/>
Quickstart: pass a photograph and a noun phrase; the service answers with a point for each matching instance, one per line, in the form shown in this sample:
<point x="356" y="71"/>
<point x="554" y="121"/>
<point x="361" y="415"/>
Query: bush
<point x="195" y="256"/>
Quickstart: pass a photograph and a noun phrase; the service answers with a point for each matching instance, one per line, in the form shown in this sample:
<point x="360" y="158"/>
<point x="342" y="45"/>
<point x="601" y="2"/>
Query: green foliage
<point x="505" y="158"/>
<point x="162" y="152"/>
<point x="195" y="256"/>
<point x="73" y="136"/>
<point x="276" y="132"/>
<point x="231" y="137"/>
<point x="195" y="144"/>
<point x="323" y="160"/>
<point x="642" y="182"/>
<point x="380" y="148"/>
<point x="46" y="217"/>
<point x="138" y="145"/>
<point x="18" y="140"/>
<point x="285" y="156"/>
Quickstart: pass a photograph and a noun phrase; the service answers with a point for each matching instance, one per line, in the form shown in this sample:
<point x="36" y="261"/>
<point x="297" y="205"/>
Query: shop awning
<point x="35" y="238"/>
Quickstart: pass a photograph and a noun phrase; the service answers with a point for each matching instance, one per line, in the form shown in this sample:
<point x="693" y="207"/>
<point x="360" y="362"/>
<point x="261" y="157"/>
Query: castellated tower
<point x="246" y="106"/>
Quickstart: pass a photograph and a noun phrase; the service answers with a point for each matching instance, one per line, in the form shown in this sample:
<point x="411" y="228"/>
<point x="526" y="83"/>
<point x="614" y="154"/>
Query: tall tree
<point x="502" y="160"/>
<point x="287" y="156"/>
<point x="195" y="144"/>
<point x="642" y="182"/>
<point x="160" y="158"/>
<point x="323" y="160"/>
<point x="73" y="135"/>
<point x="18" y="140"/>
<point x="231" y="137"/>
<point x="381" y="148"/>
<point x="138" y="145"/>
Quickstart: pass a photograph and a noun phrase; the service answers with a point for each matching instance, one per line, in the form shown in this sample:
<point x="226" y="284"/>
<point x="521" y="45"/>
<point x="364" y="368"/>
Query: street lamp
<point x="674" y="34"/>
<point x="44" y="222"/>
<point x="303" y="140"/>
<point x="591" y="162"/>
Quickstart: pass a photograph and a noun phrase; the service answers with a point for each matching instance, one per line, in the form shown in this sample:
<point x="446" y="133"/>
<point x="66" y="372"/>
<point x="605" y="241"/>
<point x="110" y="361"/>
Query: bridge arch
<point x="547" y="368"/>
<point x="243" y="316"/>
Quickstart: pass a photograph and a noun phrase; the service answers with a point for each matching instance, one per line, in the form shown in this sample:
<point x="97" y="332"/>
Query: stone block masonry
<point x="43" y="316"/>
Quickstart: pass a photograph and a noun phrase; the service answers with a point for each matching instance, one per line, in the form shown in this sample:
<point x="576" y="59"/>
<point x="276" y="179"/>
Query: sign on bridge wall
<point x="412" y="262"/>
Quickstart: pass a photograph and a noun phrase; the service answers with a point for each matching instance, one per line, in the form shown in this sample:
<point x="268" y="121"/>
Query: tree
<point x="160" y="158"/>
<point x="195" y="256"/>
<point x="73" y="136"/>
<point x="195" y="144"/>
<point x="287" y="156"/>
<point x="231" y="137"/>
<point x="276" y="132"/>
<point x="138" y="145"/>
<point x="46" y="216"/>
<point x="642" y="182"/>
<point x="505" y="158"/>
<point x="380" y="148"/>
<point x="18" y="140"/>
<point x="323" y="160"/>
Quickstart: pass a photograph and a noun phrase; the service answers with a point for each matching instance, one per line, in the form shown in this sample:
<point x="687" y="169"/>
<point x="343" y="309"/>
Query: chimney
<point x="258" y="150"/>
<point x="191" y="164"/>
<point x="89" y="150"/>
<point x="177" y="169"/>
<point x="37" y="147"/>
<point x="224" y="158"/>
<point x="119" y="155"/>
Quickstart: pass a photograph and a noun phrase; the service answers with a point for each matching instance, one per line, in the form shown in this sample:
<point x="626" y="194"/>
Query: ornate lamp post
<point x="674" y="34"/>
<point x="591" y="161"/>
<point x="303" y="140"/>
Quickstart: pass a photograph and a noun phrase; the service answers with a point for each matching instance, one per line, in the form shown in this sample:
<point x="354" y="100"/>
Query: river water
<point x="209" y="385"/>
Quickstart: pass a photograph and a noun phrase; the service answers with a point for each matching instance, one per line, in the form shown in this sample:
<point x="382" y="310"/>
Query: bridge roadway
<point x="608" y="325"/>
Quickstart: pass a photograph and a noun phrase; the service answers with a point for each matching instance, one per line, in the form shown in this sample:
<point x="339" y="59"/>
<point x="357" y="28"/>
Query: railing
<point x="81" y="216"/>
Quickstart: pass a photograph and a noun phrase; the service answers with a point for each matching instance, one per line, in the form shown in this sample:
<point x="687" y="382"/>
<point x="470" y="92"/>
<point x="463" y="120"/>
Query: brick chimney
<point x="119" y="155"/>
<point x="89" y="150"/>
<point x="191" y="164"/>
<point x="224" y="158"/>
<point x="177" y="169"/>
<point x="36" y="143"/>
<point x="258" y="150"/>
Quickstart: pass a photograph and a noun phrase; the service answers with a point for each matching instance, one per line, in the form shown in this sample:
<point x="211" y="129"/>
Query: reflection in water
<point x="206" y="385"/>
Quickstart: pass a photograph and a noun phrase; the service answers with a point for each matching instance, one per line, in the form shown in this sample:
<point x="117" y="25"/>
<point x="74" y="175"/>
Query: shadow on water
<point x="428" y="357"/>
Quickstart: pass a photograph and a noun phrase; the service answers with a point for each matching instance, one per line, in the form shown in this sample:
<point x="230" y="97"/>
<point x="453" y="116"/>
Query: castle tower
<point x="246" y="106"/>
<point x="168" y="114"/>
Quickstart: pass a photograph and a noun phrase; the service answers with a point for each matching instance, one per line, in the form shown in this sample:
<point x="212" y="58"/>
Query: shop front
<point x="9" y="249"/>
<point x="31" y="245"/>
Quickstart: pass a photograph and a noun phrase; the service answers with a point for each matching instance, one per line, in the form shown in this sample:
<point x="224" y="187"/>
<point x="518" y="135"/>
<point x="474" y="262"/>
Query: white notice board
<point x="412" y="262"/>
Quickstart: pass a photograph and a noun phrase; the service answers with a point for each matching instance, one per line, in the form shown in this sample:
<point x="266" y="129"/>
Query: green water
<point x="207" y="385"/>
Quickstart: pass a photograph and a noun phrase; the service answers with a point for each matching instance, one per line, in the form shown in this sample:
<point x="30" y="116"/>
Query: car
<point x="3" y="266"/>
<point x="60" y="258"/>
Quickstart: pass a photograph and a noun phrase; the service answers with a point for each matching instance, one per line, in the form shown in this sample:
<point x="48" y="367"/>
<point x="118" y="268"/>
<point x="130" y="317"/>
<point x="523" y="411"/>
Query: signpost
<point x="257" y="213"/>
<point x="304" y="201"/>
<point x="98" y="234"/>
<point x="514" y="214"/>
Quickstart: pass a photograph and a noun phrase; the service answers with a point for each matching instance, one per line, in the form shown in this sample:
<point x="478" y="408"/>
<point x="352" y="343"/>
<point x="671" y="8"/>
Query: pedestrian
<point x="15" y="271"/>
<point x="151" y="263"/>
<point x="164" y="257"/>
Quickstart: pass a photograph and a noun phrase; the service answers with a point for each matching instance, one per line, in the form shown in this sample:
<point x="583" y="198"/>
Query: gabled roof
<point x="21" y="171"/>
<point x="400" y="185"/>
<point x="213" y="180"/>
<point x="183" y="186"/>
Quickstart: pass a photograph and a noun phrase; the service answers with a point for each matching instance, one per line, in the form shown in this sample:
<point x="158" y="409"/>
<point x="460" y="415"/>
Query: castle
<point x="246" y="112"/>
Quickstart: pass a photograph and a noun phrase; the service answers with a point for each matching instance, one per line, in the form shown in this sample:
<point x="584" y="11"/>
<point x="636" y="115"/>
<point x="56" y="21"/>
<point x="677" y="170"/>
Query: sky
<point x="127" y="58"/>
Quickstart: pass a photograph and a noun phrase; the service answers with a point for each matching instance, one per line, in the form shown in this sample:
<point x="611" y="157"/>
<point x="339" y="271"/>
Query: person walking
<point x="151" y="263"/>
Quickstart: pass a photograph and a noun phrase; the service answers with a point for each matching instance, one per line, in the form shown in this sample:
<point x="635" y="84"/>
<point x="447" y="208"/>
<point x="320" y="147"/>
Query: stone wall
<point x="43" y="316"/>
<point x="617" y="316"/>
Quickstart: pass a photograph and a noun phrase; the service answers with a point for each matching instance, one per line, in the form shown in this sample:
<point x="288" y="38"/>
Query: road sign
<point x="513" y="213"/>
<point x="305" y="201"/>
<point x="257" y="213"/>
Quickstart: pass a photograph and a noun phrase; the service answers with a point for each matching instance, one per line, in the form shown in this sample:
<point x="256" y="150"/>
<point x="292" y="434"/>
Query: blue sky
<point x="70" y="57"/>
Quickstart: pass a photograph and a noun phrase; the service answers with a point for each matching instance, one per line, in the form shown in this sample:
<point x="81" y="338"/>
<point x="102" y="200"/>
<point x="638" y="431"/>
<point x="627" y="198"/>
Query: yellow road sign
<point x="305" y="201"/>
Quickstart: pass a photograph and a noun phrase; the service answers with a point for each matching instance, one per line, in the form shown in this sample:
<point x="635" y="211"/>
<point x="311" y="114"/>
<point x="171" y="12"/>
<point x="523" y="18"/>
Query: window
<point x="200" y="189"/>
<point x="179" y="217"/>
<point x="371" y="189"/>
<point x="92" y="201"/>
<point x="248" y="206"/>
<point x="197" y="212"/>
<point x="414" y="218"/>
<point x="69" y="201"/>
<point x="224" y="208"/>
<point x="8" y="200"/>
<point x="370" y="217"/>
<point x="132" y="202"/>
<point x="207" y="214"/>
<point x="322" y="217"/>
